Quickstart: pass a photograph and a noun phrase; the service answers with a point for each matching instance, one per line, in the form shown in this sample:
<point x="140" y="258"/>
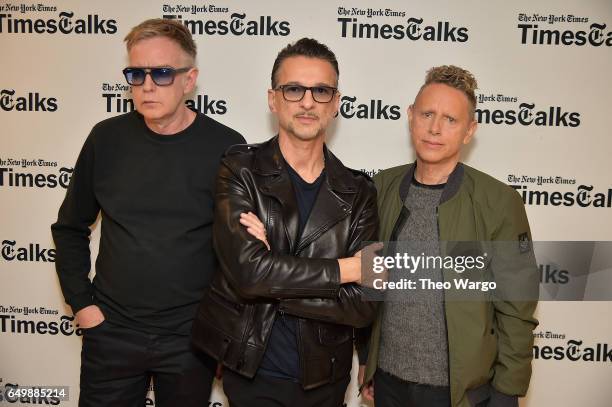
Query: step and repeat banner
<point x="543" y="70"/>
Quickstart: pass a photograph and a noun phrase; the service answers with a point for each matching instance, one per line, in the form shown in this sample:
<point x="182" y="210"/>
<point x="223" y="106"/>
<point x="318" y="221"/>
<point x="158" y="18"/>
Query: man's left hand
<point x="254" y="227"/>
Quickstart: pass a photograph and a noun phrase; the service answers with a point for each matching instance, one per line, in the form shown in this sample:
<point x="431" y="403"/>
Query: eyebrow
<point x="151" y="66"/>
<point x="315" y="85"/>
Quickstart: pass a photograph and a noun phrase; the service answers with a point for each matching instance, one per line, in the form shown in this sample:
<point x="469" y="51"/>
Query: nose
<point x="434" y="127"/>
<point x="307" y="101"/>
<point x="148" y="84"/>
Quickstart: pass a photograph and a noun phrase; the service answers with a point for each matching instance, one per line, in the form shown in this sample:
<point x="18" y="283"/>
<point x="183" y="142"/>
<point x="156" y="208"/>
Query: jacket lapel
<point x="281" y="189"/>
<point x="333" y="203"/>
<point x="277" y="185"/>
<point x="328" y="210"/>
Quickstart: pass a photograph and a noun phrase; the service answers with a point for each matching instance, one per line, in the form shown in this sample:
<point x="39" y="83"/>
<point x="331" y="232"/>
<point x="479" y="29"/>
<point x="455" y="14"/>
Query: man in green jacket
<point x="435" y="351"/>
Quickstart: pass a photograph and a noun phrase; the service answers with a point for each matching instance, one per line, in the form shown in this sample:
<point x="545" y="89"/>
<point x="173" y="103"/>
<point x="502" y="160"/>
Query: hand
<point x="367" y="391"/>
<point x="372" y="271"/>
<point x="89" y="317"/>
<point x="254" y="227"/>
<point x="350" y="269"/>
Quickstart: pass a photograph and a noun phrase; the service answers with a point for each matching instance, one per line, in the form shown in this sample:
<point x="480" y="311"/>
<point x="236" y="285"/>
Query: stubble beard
<point x="305" y="134"/>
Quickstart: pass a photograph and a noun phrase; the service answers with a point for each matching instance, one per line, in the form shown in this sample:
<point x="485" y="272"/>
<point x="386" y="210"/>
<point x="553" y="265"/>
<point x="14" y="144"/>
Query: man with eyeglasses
<point x="150" y="175"/>
<point x="280" y="316"/>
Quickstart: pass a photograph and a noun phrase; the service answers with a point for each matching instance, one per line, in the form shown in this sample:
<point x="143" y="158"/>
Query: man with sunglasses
<point x="280" y="316"/>
<point x="150" y="175"/>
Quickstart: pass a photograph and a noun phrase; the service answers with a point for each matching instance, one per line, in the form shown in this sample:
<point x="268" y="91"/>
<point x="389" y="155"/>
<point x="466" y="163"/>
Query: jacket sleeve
<point x="348" y="307"/>
<point x="252" y="270"/>
<point x="515" y="320"/>
<point x="71" y="232"/>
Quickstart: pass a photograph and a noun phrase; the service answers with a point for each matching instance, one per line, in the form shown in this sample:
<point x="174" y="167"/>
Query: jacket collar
<point x="334" y="201"/>
<point x="450" y="189"/>
<point x="269" y="161"/>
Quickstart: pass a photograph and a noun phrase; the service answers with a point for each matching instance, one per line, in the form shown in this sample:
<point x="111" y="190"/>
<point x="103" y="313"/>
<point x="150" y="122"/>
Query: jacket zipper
<point x="245" y="340"/>
<point x="444" y="306"/>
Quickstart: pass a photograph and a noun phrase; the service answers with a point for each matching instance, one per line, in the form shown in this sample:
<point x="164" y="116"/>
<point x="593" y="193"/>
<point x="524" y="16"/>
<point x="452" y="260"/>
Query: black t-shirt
<point x="281" y="358"/>
<point x="155" y="196"/>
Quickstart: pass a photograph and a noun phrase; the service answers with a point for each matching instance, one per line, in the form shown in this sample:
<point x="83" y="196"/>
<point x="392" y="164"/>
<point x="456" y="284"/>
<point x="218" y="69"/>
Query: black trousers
<point x="266" y="391"/>
<point x="390" y="391"/>
<point x="117" y="364"/>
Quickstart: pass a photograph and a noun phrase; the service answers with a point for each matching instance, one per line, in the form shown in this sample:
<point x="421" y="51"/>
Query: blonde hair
<point x="160" y="27"/>
<point x="455" y="77"/>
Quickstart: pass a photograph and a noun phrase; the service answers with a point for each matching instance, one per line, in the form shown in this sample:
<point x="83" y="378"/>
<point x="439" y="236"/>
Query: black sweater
<point x="155" y="196"/>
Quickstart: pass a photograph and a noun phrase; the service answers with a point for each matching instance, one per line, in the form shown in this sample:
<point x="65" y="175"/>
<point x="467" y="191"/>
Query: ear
<point x="470" y="131"/>
<point x="409" y="113"/>
<point x="191" y="80"/>
<point x="271" y="100"/>
<point x="336" y="102"/>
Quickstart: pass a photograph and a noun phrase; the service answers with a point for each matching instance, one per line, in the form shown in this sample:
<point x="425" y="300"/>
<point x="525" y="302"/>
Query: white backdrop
<point x="544" y="75"/>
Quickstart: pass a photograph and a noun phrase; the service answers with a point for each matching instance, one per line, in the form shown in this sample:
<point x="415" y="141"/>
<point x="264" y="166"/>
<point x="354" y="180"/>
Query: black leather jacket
<point x="298" y="277"/>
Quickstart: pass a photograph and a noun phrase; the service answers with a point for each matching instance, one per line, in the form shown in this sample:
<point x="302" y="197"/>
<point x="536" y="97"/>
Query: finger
<point x="256" y="234"/>
<point x="376" y="246"/>
<point x="252" y="221"/>
<point x="254" y="225"/>
<point x="252" y="216"/>
<point x="247" y="222"/>
<point x="368" y="395"/>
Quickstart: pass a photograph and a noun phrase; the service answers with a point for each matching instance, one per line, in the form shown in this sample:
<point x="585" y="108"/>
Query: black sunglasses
<point x="161" y="76"/>
<point x="295" y="93"/>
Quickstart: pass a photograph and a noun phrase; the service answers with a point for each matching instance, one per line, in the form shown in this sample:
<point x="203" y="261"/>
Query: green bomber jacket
<point x="489" y="342"/>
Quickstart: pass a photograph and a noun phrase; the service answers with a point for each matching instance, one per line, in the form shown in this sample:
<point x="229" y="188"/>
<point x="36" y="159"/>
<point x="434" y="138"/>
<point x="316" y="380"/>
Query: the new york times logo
<point x="526" y="114"/>
<point x="117" y="103"/>
<point x="370" y="172"/>
<point x="370" y="12"/>
<point x="31" y="102"/>
<point x="237" y="24"/>
<point x="574" y="351"/>
<point x="32" y="252"/>
<point x="414" y="30"/>
<point x="65" y="23"/>
<point x="9" y="177"/>
<point x="194" y="9"/>
<point x="532" y="33"/>
<point x="548" y="335"/>
<point x="351" y="108"/>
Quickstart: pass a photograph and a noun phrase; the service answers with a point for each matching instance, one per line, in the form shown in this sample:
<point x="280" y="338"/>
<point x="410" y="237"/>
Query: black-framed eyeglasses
<point x="295" y="93"/>
<point x="161" y="76"/>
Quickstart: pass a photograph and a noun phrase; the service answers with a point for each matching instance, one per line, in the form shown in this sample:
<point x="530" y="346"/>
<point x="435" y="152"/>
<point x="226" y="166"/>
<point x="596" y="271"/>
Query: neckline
<point x="181" y="136"/>
<point x="427" y="186"/>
